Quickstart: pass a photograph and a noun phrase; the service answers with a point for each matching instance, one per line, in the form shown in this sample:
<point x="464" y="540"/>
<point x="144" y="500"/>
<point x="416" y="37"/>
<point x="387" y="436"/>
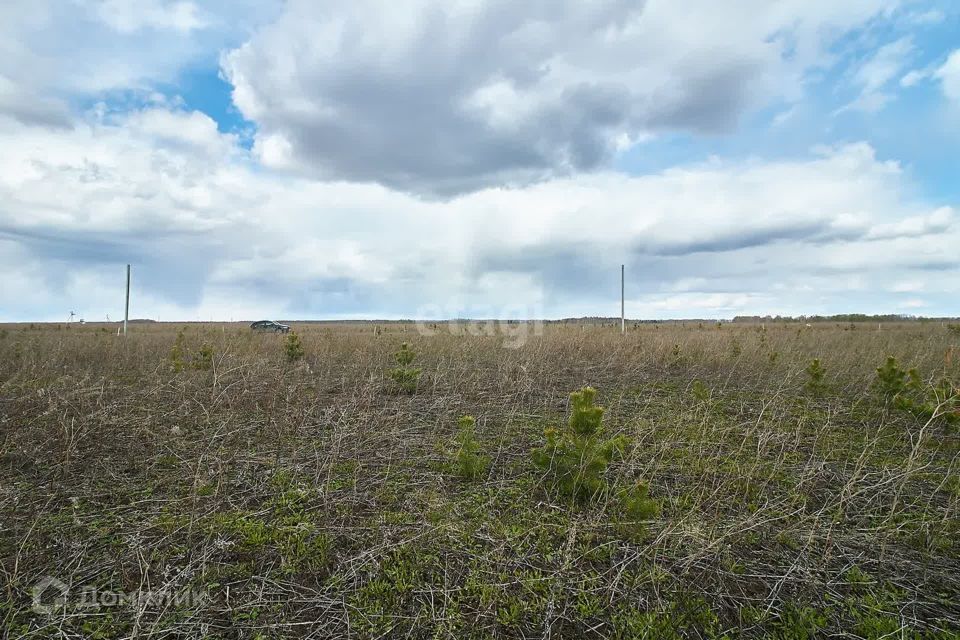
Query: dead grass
<point x="307" y="500"/>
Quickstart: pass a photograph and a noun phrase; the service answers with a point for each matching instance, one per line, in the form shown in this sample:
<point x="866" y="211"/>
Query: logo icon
<point x="49" y="595"/>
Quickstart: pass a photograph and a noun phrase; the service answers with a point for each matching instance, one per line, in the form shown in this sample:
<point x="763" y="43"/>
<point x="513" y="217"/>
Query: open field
<point x="257" y="497"/>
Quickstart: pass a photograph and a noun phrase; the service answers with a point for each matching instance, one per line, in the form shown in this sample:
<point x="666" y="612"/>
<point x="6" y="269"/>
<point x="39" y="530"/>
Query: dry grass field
<point x="243" y="494"/>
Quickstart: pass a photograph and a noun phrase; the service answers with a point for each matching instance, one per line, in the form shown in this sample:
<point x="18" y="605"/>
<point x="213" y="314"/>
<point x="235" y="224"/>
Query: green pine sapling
<point x="469" y="462"/>
<point x="203" y="360"/>
<point x="293" y="347"/>
<point x="576" y="458"/>
<point x="891" y="380"/>
<point x="906" y="390"/>
<point x="700" y="391"/>
<point x="177" y="353"/>
<point x="636" y="504"/>
<point x="815" y="384"/>
<point x="404" y="376"/>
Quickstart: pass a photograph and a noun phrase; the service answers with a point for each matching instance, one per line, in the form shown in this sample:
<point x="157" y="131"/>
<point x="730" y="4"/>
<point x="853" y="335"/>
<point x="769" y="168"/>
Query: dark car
<point x="270" y="326"/>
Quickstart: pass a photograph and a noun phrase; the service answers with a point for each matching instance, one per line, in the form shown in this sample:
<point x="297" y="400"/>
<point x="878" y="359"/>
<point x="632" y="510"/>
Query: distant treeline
<point x="842" y="317"/>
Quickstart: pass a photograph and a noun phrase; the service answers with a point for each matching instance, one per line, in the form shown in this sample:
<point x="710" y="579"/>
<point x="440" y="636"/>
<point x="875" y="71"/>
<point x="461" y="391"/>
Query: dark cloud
<point x="808" y="231"/>
<point x="564" y="81"/>
<point x="169" y="264"/>
<point x="731" y="262"/>
<point x="34" y="111"/>
<point x="904" y="264"/>
<point x="710" y="100"/>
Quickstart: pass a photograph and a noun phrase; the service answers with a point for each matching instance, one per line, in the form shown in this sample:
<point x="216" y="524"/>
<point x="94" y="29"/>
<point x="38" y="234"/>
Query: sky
<point x="478" y="158"/>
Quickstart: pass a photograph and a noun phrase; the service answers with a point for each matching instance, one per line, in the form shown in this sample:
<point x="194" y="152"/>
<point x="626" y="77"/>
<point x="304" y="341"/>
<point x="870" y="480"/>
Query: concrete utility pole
<point x="126" y="309"/>
<point x="623" y="303"/>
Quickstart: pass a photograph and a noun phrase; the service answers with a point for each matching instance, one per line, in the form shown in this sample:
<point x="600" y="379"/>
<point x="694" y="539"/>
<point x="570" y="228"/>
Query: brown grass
<point x="308" y="500"/>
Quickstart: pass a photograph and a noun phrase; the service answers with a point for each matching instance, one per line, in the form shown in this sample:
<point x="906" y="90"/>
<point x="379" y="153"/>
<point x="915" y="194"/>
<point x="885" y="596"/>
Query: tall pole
<point x="623" y="303"/>
<point x="126" y="309"/>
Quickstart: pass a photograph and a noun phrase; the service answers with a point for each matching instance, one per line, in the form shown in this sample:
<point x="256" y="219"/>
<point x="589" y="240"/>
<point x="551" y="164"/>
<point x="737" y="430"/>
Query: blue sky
<point x="442" y="159"/>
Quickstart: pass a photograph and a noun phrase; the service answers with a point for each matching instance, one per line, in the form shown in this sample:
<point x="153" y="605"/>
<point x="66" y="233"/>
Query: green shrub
<point x="576" y="458"/>
<point x="405" y="377"/>
<point x="953" y="329"/>
<point x="293" y="347"/>
<point x="815" y="384"/>
<point x="469" y="463"/>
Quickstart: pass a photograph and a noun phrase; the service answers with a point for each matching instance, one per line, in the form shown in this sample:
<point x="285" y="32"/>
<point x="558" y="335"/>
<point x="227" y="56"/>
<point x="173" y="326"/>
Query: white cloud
<point x="212" y="235"/>
<point x="875" y="73"/>
<point x="907" y="286"/>
<point x="129" y="16"/>
<point x="939" y="221"/>
<point x="160" y="126"/>
<point x="451" y="97"/>
<point x="784" y="116"/>
<point x="511" y="111"/>
<point x="949" y="76"/>
<point x="52" y="51"/>
<point x="926" y="18"/>
<point x="914" y="77"/>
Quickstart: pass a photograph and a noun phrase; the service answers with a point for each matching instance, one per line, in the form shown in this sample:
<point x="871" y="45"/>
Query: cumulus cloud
<point x="442" y="98"/>
<point x="213" y="235"/>
<point x="505" y="115"/>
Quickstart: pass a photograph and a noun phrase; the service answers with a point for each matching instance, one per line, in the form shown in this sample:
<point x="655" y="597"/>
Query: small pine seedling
<point x="700" y="391"/>
<point x="469" y="462"/>
<point x="636" y="504"/>
<point x="907" y="391"/>
<point x="203" y="361"/>
<point x="891" y="379"/>
<point x="405" y="356"/>
<point x="293" y="347"/>
<point x="177" y="353"/>
<point x="815" y="384"/>
<point x="404" y="376"/>
<point x="736" y="349"/>
<point x="576" y="458"/>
